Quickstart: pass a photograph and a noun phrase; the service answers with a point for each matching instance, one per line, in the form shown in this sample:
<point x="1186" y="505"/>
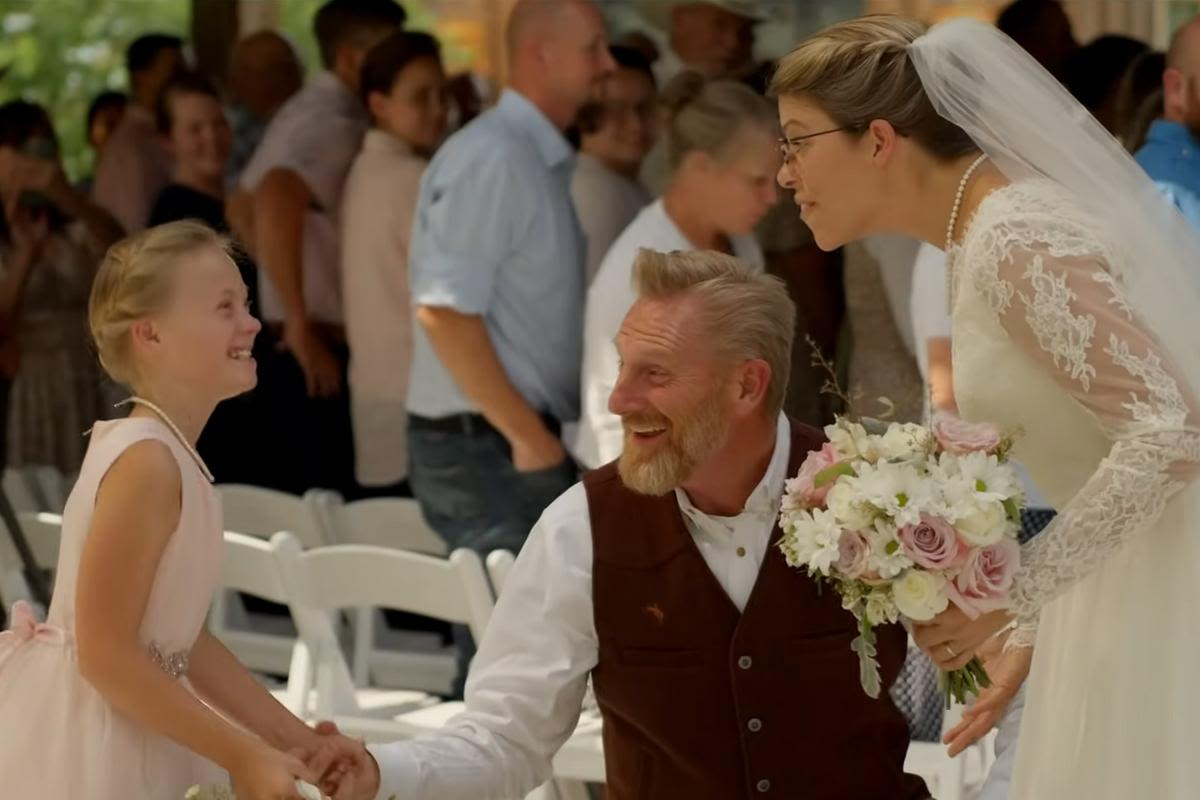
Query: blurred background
<point x="63" y="53"/>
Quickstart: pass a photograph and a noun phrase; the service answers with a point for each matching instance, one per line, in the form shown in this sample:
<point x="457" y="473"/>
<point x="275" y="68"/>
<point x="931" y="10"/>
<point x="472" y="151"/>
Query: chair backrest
<point x="499" y="565"/>
<point x="21" y="492"/>
<point x="351" y="576"/>
<point x="43" y="531"/>
<point x="257" y="511"/>
<point x="384" y="522"/>
<point x="51" y="486"/>
<point x="252" y="565"/>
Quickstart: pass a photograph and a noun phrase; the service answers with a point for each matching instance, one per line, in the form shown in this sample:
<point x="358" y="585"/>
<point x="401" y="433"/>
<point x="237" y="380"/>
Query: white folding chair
<point x="252" y="566"/>
<point x="329" y="579"/>
<point x="51" y="487"/>
<point x="43" y="533"/>
<point x="263" y="642"/>
<point x="394" y="522"/>
<point x="409" y="658"/>
<point x="262" y="512"/>
<point x="499" y="565"/>
<point x="20" y="491"/>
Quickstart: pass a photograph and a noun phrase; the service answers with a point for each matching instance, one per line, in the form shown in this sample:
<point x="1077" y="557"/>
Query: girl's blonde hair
<point x="706" y="115"/>
<point x="134" y="282"/>
<point x="859" y="71"/>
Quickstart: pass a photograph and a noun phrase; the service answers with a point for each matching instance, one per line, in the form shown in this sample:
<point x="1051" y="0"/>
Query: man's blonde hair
<point x="134" y="282"/>
<point x="744" y="313"/>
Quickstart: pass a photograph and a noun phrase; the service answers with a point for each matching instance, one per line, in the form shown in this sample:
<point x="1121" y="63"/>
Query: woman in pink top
<point x="404" y="87"/>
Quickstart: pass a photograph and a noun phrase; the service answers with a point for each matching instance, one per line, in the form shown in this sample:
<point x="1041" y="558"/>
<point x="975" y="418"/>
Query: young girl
<point x="122" y="693"/>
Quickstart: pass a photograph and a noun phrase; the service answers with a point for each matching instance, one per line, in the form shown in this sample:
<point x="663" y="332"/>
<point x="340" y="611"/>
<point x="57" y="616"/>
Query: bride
<point x="1075" y="306"/>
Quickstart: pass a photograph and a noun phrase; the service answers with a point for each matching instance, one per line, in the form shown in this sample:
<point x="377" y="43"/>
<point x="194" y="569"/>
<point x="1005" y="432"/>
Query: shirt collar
<point x="764" y="499"/>
<point x="327" y="81"/>
<point x="1167" y="132"/>
<point x="551" y="143"/>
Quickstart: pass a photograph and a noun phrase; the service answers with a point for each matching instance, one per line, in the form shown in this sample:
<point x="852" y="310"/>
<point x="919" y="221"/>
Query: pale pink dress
<point x="59" y="738"/>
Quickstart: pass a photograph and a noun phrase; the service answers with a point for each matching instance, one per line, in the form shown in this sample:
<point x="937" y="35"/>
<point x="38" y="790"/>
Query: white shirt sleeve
<point x="527" y="682"/>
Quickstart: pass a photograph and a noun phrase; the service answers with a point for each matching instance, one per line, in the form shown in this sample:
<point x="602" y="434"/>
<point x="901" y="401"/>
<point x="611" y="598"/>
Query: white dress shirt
<point x="316" y="134"/>
<point x="599" y="438"/>
<point x="528" y="680"/>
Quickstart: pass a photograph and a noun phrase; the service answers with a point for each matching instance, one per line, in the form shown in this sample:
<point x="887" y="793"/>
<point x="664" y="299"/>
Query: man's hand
<point x="541" y="452"/>
<point x="952" y="638"/>
<point x="322" y="374"/>
<point x="347" y="771"/>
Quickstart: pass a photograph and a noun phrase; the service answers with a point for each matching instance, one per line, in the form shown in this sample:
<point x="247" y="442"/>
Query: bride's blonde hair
<point x="134" y="282"/>
<point x="859" y="71"/>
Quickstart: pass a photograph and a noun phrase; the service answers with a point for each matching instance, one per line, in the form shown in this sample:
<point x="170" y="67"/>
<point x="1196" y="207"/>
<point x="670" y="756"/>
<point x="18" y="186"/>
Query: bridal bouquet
<point x="903" y="521"/>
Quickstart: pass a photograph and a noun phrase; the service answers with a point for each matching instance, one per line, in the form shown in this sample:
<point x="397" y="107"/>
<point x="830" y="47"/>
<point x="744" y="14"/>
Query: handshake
<point x="339" y="766"/>
<point x="319" y="764"/>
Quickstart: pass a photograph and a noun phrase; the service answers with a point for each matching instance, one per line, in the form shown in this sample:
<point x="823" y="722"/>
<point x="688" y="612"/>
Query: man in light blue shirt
<point x="496" y="269"/>
<point x="1171" y="154"/>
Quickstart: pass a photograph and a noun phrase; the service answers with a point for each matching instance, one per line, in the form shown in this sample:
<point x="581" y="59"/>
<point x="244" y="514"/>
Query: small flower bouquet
<point x="903" y="520"/>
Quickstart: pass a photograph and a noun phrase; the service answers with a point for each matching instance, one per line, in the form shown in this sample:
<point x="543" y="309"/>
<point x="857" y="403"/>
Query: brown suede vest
<point x="704" y="703"/>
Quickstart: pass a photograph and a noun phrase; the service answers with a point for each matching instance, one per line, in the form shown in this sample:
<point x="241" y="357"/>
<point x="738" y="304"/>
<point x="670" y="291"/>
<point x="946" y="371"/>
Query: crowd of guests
<point x="439" y="284"/>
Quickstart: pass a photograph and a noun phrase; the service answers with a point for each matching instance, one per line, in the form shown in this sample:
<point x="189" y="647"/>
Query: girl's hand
<point x="264" y="773"/>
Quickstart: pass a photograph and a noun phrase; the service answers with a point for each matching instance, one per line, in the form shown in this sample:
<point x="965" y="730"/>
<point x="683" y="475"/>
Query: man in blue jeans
<point x="496" y="268"/>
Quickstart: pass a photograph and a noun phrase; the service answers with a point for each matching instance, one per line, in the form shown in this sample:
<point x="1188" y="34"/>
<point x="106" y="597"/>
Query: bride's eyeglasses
<point x="792" y="146"/>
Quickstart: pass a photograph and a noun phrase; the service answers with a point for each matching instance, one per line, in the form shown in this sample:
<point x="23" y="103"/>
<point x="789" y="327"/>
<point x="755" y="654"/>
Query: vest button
<point x="763" y="786"/>
<point x="744" y="662"/>
<point x="755" y="725"/>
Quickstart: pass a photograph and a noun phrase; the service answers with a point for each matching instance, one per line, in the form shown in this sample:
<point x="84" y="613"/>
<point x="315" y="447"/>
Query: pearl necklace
<point x="958" y="198"/>
<point x="135" y="400"/>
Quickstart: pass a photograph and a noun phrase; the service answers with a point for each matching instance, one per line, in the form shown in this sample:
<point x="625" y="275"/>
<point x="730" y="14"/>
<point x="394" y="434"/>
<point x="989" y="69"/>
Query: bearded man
<point x="720" y="672"/>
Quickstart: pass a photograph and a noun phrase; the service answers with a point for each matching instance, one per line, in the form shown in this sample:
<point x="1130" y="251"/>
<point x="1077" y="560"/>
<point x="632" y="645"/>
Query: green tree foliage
<point x="62" y="53"/>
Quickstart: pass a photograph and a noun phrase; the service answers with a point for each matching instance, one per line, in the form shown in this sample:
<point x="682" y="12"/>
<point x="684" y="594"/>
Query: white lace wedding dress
<point x="1044" y="340"/>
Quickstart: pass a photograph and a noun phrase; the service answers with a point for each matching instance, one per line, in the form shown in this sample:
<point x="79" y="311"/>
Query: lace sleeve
<point x="1060" y="305"/>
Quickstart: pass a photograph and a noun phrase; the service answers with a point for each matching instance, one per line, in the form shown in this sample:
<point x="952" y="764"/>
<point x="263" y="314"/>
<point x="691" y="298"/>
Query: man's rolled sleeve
<point x="466" y="228"/>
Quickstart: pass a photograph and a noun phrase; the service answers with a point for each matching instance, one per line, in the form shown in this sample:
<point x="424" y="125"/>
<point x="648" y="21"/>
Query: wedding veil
<point x="1029" y="126"/>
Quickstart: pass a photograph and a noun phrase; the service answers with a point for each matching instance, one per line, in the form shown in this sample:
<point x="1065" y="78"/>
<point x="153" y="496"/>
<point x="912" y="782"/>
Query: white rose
<point x="983" y="523"/>
<point x="903" y="442"/>
<point x="920" y="595"/>
<point x="846" y="504"/>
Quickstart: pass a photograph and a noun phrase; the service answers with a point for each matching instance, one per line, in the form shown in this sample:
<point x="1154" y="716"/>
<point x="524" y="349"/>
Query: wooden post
<point x="214" y="32"/>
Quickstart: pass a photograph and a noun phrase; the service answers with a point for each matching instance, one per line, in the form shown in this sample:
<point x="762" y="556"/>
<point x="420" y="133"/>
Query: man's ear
<point x="752" y="383"/>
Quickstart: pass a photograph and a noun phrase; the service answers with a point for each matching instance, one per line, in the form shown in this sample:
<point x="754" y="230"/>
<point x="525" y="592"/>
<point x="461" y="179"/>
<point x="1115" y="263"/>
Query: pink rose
<point x="983" y="582"/>
<point x="956" y="435"/>
<point x="853" y="553"/>
<point x="801" y="488"/>
<point x="933" y="543"/>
